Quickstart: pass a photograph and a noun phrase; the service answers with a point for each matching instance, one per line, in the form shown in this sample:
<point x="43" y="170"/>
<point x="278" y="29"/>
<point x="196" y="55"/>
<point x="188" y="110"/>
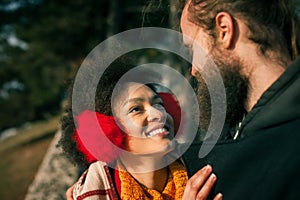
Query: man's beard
<point x="236" y="87"/>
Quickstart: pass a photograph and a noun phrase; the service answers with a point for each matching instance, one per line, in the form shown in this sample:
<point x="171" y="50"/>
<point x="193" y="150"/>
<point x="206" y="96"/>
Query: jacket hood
<point x="278" y="105"/>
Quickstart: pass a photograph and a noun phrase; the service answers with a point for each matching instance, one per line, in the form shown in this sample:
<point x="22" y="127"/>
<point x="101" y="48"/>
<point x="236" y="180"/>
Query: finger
<point x="69" y="193"/>
<point x="206" y="188"/>
<point x="196" y="182"/>
<point x="218" y="197"/>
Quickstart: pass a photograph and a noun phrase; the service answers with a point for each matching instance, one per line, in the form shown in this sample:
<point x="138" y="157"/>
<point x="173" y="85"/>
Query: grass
<point x="21" y="156"/>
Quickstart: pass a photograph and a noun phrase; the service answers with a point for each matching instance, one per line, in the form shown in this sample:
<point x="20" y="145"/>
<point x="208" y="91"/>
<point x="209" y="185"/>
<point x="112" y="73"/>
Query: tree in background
<point x="43" y="42"/>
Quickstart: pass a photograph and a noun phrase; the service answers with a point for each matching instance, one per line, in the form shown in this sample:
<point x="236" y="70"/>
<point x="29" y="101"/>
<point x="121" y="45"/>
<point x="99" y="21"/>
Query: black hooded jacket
<point x="264" y="161"/>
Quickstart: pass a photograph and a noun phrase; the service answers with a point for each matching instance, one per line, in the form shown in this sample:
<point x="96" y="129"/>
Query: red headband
<point x="104" y="143"/>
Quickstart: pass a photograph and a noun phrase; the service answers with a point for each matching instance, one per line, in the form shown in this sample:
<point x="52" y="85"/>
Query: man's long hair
<point x="274" y="24"/>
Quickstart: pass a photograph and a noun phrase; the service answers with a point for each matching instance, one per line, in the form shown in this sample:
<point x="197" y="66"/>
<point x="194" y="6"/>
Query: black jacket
<point x="264" y="162"/>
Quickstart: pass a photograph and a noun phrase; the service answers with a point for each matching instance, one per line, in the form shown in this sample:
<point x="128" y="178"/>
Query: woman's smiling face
<point x="141" y="114"/>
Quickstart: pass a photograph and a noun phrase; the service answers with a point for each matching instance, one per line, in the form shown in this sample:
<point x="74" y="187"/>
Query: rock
<point x="55" y="175"/>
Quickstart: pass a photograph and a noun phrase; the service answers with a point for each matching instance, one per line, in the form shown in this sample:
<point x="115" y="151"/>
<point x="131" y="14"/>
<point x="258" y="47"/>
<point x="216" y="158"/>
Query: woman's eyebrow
<point x="134" y="100"/>
<point x="140" y="100"/>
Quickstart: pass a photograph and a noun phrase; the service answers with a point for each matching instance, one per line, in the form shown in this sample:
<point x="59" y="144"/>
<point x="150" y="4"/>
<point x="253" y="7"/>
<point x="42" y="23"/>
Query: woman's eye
<point x="135" y="109"/>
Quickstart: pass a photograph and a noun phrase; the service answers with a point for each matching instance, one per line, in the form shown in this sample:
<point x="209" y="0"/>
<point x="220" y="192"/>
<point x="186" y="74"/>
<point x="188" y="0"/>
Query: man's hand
<point x="199" y="185"/>
<point x="69" y="193"/>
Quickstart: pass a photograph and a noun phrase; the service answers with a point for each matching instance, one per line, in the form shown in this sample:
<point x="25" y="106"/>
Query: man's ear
<point x="225" y="29"/>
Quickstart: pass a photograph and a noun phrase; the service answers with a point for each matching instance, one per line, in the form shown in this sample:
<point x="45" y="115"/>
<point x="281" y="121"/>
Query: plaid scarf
<point x="95" y="184"/>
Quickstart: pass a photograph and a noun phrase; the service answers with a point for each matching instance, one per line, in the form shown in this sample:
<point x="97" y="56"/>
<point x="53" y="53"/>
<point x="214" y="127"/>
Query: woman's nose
<point x="155" y="114"/>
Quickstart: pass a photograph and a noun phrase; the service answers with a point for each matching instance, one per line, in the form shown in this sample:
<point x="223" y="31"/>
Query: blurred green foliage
<point x="43" y="42"/>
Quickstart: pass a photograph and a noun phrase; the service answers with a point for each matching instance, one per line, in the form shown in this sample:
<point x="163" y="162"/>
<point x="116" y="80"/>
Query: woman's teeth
<point x="156" y="132"/>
